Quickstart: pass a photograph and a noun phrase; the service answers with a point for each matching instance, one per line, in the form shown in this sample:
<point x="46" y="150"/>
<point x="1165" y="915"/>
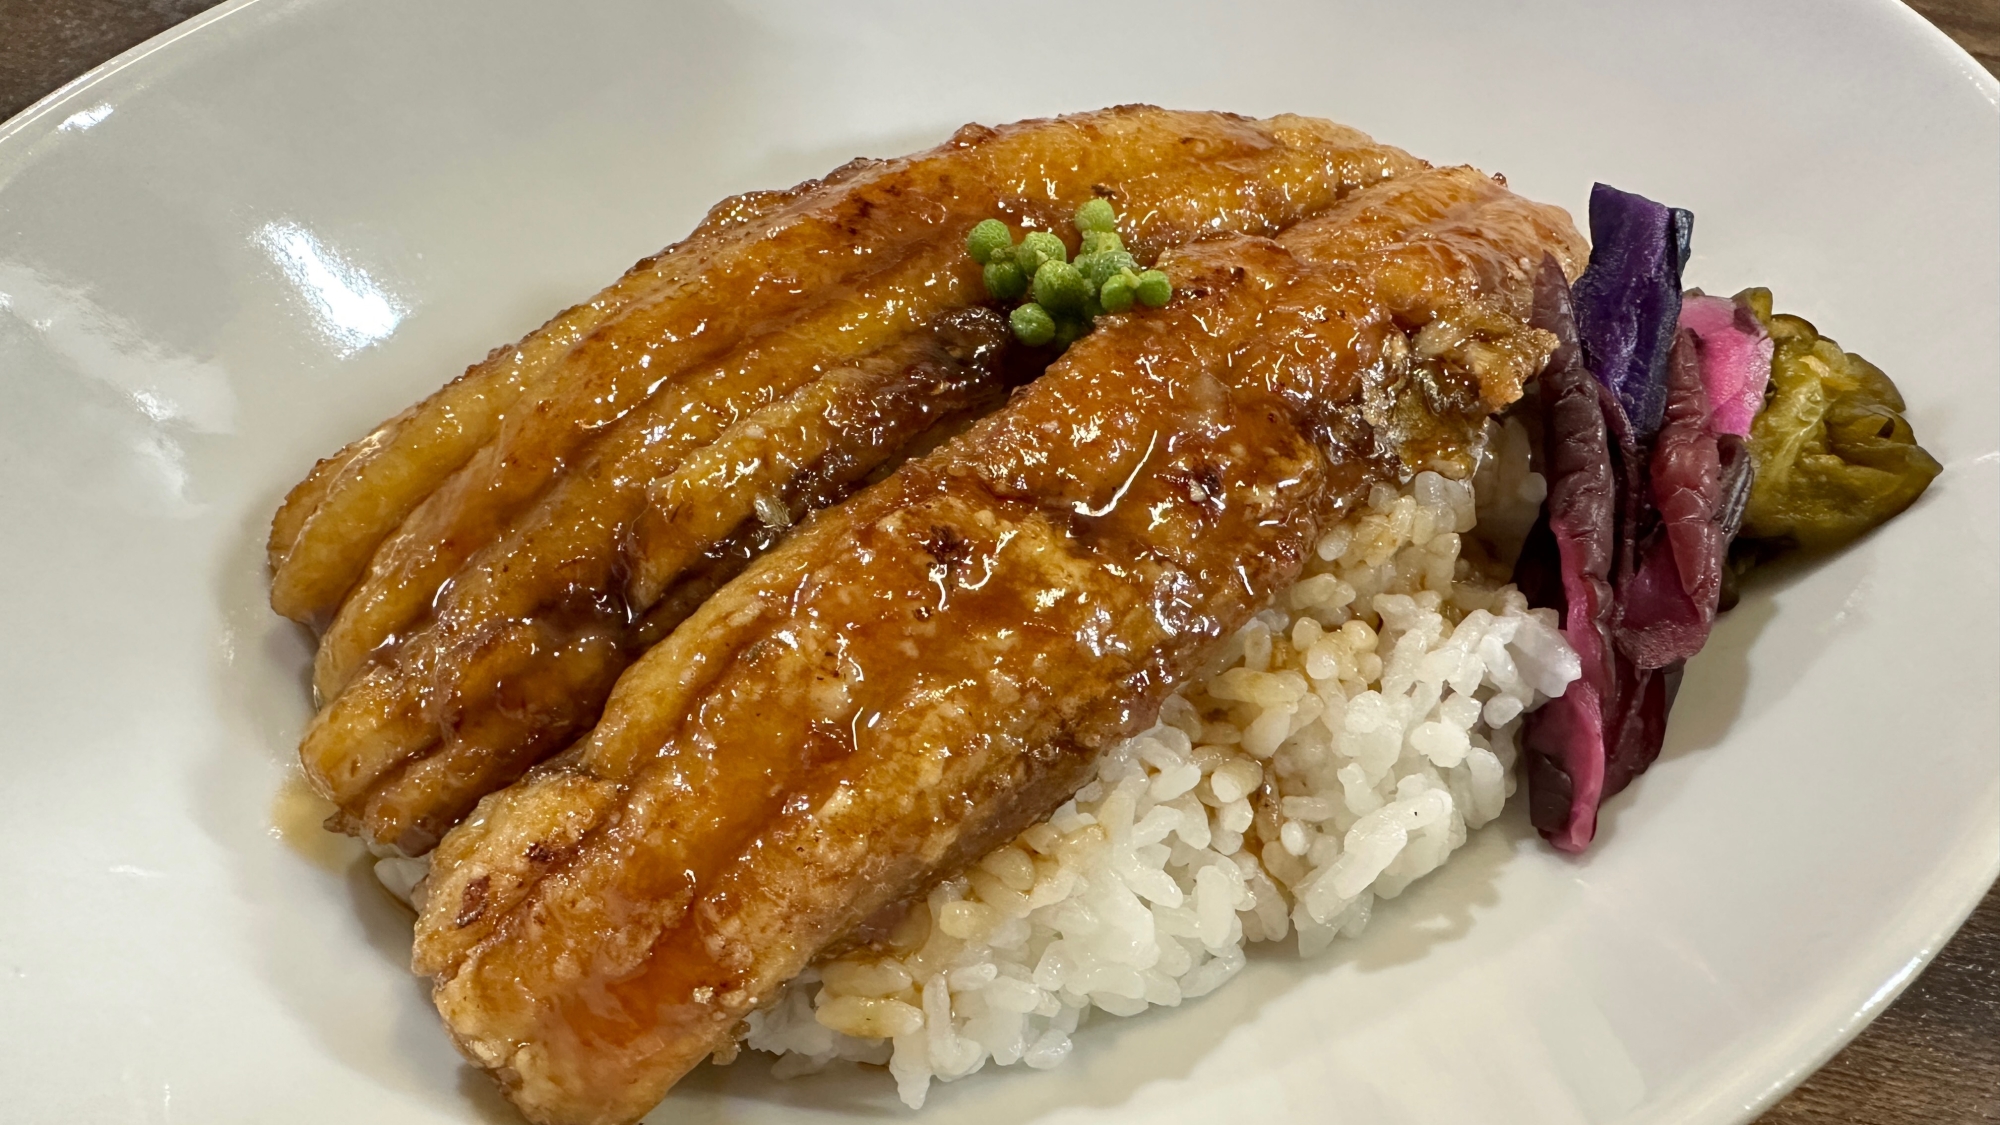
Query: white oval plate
<point x="229" y="251"/>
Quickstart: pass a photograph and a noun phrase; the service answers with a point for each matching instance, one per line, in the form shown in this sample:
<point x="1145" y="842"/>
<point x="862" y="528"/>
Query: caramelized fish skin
<point x="307" y="495"/>
<point x="1471" y="232"/>
<point x="560" y="563"/>
<point x="405" y="766"/>
<point x="331" y="522"/>
<point x="924" y="670"/>
<point x="449" y="710"/>
<point x="760" y="471"/>
<point x="1177" y="174"/>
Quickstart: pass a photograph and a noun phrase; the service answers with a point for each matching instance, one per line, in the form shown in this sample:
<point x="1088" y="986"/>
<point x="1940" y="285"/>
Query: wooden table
<point x="1932" y="1059"/>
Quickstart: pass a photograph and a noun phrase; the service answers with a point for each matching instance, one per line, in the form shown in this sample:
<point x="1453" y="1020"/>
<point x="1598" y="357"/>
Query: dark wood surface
<point x="1932" y="1059"/>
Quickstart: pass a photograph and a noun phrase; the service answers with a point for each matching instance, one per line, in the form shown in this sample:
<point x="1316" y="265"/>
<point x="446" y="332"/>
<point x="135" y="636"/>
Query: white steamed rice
<point x="1339" y="747"/>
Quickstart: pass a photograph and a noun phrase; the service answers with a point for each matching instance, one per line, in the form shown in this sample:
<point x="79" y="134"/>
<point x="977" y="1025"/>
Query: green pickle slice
<point x="1834" y="455"/>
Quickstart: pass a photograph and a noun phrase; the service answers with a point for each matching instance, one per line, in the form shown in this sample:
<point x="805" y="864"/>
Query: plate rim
<point x="47" y="103"/>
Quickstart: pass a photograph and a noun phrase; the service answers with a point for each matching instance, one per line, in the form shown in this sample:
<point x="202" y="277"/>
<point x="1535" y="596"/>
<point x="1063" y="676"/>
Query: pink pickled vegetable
<point x="1567" y="563"/>
<point x="1666" y="604"/>
<point x="1637" y="722"/>
<point x="1735" y="358"/>
<point x="1636" y="704"/>
<point x="1739" y="472"/>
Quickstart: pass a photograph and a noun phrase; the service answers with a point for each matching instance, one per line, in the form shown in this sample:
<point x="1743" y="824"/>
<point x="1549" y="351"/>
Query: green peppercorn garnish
<point x="989" y="236"/>
<point x="1100" y="267"/>
<point x="1033" y="325"/>
<point x="1004" y="279"/>
<point x="1088" y="265"/>
<point x="1059" y="287"/>
<point x="1100" y="241"/>
<point x="1064" y="297"/>
<point x="1037" y="247"/>
<point x="1096" y="215"/>
<point x="1119" y="291"/>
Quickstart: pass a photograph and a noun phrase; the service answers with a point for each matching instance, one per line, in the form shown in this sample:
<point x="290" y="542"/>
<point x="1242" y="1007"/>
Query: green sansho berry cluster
<point x="1065" y="297"/>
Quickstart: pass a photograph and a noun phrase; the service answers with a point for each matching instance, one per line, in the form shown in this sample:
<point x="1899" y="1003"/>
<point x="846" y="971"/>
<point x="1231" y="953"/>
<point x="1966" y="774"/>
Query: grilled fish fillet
<point x="1177" y="174"/>
<point x="926" y="669"/>
<point x="417" y="727"/>
<point x="332" y="521"/>
<point x="469" y="704"/>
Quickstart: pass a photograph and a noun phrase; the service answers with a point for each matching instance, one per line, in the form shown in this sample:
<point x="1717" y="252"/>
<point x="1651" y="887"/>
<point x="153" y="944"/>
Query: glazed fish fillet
<point x="1179" y="174"/>
<point x="471" y="703"/>
<point x="493" y="621"/>
<point x="330" y="524"/>
<point x="924" y="670"/>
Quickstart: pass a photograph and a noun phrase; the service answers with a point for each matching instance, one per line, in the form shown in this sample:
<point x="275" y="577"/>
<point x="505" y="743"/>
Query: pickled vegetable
<point x="1630" y="551"/>
<point x="1628" y="302"/>
<point x="1669" y="425"/>
<point x="1667" y="602"/>
<point x="1566" y="564"/>
<point x="1834" y="455"/>
<point x="1735" y="358"/>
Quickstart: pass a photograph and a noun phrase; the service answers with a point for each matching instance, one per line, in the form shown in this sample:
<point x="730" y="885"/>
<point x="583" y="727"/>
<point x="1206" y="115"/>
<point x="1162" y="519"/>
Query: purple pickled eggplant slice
<point x="1628" y="302"/>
